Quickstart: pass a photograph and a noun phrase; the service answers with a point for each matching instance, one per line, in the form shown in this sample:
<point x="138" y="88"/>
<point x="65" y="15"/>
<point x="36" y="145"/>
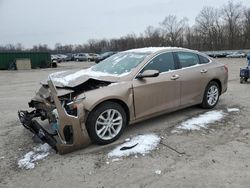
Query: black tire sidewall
<point x="95" y="113"/>
<point x="204" y="103"/>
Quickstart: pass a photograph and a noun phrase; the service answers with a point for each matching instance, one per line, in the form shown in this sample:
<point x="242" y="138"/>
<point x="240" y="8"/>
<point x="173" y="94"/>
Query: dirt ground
<point x="216" y="157"/>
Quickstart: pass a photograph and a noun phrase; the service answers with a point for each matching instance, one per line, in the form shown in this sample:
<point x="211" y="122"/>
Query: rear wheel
<point x="243" y="80"/>
<point x="106" y="123"/>
<point x="211" y="95"/>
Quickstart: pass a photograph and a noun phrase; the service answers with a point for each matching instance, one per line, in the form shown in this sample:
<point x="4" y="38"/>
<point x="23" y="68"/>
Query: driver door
<point x="157" y="94"/>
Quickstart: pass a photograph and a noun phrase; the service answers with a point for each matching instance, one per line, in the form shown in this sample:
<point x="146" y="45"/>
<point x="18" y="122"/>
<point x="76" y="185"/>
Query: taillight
<point x="226" y="68"/>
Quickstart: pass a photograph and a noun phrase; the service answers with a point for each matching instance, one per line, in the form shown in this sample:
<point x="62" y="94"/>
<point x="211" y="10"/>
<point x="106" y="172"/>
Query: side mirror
<point x="148" y="74"/>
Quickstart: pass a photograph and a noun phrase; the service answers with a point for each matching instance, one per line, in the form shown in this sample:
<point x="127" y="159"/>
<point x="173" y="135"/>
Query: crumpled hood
<point x="74" y="78"/>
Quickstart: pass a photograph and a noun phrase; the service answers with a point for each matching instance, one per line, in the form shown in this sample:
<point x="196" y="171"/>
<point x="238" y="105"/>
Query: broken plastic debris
<point x="128" y="147"/>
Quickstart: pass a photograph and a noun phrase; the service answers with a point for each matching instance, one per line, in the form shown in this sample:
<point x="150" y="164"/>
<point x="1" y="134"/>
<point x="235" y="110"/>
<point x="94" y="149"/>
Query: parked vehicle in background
<point x="98" y="102"/>
<point x="93" y="56"/>
<point x="104" y="56"/>
<point x="62" y="57"/>
<point x="236" y="55"/>
<point x="55" y="58"/>
<point x="82" y="57"/>
<point x="217" y="54"/>
<point x="58" y="58"/>
<point x="69" y="57"/>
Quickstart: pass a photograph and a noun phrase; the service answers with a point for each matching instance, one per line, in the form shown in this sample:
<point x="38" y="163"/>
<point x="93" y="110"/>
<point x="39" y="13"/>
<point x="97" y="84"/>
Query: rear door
<point x="193" y="77"/>
<point x="156" y="94"/>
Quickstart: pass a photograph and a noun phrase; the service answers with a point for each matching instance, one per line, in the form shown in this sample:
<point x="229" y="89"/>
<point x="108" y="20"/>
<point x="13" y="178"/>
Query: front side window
<point x="163" y="63"/>
<point x="187" y="59"/>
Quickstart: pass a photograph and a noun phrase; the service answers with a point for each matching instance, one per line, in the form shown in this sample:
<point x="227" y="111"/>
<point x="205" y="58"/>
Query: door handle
<point x="175" y="77"/>
<point x="203" y="70"/>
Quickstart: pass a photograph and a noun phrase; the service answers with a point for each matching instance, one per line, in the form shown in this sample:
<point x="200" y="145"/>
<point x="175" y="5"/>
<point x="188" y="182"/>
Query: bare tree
<point x="153" y="37"/>
<point x="232" y="15"/>
<point x="246" y="28"/>
<point x="208" y="25"/>
<point x="173" y="29"/>
<point x="19" y="47"/>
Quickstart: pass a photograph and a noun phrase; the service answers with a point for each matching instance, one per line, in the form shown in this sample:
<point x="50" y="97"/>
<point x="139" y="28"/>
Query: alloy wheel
<point x="108" y="124"/>
<point x="212" y="95"/>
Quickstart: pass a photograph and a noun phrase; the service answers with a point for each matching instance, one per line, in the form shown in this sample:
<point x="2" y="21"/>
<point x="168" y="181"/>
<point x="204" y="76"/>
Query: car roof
<point x="154" y="49"/>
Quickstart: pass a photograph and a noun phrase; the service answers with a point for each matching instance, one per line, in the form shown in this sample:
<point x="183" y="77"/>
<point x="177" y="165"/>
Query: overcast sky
<point x="33" y="22"/>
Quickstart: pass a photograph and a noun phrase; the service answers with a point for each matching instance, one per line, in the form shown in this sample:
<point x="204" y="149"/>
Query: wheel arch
<point x="218" y="82"/>
<point x="204" y="103"/>
<point x="118" y="101"/>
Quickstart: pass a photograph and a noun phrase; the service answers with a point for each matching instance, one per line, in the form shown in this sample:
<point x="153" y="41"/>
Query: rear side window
<point x="163" y="63"/>
<point x="187" y="59"/>
<point x="203" y="60"/>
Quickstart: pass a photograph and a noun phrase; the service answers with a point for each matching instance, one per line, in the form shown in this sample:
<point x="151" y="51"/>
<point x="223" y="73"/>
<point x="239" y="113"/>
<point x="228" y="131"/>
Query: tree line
<point x="225" y="28"/>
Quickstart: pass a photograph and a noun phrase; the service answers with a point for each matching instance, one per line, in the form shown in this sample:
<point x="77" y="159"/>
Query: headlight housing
<point x="78" y="99"/>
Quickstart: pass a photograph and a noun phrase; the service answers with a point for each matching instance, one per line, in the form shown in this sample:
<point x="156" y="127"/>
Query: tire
<point x="242" y="80"/>
<point x="211" y="95"/>
<point x="102" y="130"/>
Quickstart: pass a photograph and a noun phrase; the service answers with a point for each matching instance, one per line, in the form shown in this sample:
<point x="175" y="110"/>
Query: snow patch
<point x="233" y="109"/>
<point x="202" y="120"/>
<point x="38" y="153"/>
<point x="145" y="144"/>
<point x="158" y="172"/>
<point x="116" y="159"/>
<point x="56" y="74"/>
<point x="127" y="139"/>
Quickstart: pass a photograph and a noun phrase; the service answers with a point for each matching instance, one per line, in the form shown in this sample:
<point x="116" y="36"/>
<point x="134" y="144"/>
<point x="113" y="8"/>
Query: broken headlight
<point x="78" y="99"/>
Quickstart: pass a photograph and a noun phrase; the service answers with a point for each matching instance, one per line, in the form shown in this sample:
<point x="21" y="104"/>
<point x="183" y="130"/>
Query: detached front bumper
<point x="27" y="120"/>
<point x="67" y="124"/>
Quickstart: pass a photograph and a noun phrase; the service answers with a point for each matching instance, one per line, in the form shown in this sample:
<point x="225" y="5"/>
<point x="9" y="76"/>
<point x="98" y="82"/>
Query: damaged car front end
<point x="71" y="134"/>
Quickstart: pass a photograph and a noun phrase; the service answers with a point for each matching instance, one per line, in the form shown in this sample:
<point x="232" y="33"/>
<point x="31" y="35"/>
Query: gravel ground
<point x="214" y="157"/>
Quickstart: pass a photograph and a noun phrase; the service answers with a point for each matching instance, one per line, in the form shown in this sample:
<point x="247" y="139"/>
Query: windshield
<point x="120" y="63"/>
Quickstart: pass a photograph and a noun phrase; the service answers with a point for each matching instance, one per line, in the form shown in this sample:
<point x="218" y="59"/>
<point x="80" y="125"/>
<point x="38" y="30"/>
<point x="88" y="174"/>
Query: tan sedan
<point x="96" y="104"/>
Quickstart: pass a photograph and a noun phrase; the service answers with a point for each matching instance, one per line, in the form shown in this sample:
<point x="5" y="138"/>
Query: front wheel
<point x="106" y="123"/>
<point x="211" y="95"/>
